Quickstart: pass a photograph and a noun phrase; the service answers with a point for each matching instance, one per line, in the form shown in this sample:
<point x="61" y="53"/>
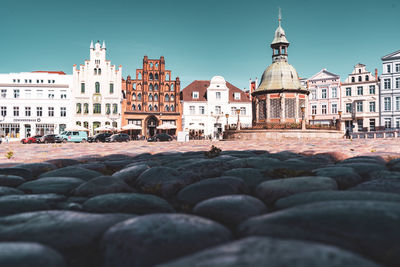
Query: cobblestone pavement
<point x="25" y="153"/>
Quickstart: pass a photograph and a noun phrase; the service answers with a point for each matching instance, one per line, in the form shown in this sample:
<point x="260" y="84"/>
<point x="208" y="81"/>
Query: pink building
<point x="324" y="99"/>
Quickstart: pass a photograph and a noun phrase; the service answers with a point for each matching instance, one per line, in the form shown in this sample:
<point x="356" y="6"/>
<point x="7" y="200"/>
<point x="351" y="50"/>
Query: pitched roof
<point x="324" y="74"/>
<point x="393" y="55"/>
<point x="201" y="87"/>
<point x="51" y="72"/>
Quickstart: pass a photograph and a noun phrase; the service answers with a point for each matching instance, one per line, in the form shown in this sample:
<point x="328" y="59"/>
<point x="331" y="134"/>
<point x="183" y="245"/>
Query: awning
<point x="76" y="128"/>
<point x="105" y="128"/>
<point x="166" y="126"/>
<point x="131" y="127"/>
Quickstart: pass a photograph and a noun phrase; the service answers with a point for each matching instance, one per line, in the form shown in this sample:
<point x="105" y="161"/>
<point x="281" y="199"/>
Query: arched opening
<point x="150" y="107"/>
<point x="155" y="108"/>
<point x="156" y="87"/>
<point x="166" y="87"/>
<point x="366" y="77"/>
<point x="150" y="97"/>
<point x="133" y="107"/>
<point x="156" y="76"/>
<point x="172" y="97"/>
<point x="157" y="65"/>
<point x="151" y="77"/>
<point x="151" y="87"/>
<point x="139" y="76"/>
<point x="172" y="108"/>
<point x="97" y="87"/>
<point x="353" y="79"/>
<point x="167" y="77"/>
<point x="151" y="65"/>
<point x="133" y="86"/>
<point x="133" y="96"/>
<point x="139" y="107"/>
<point x="166" y="97"/>
<point x="166" y="108"/>
<point x="139" y="96"/>
<point x="155" y="97"/>
<point x="359" y="78"/>
<point x="172" y="87"/>
<point x="99" y="71"/>
<point x="95" y="71"/>
<point x="139" y="86"/>
<point x="151" y="125"/>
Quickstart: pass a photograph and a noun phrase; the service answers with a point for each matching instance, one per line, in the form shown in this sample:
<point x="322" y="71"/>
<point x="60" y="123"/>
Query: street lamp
<point x="238" y="120"/>
<point x="303" y="123"/>
<point x="227" y="117"/>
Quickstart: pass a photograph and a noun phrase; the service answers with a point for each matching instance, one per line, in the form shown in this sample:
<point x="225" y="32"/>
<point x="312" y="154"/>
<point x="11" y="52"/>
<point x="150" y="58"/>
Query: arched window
<point x="133" y="107"/>
<point x="166" y="97"/>
<point x="78" y="108"/>
<point x="366" y="77"/>
<point x="172" y="97"/>
<point x="139" y="86"/>
<point x="86" y="124"/>
<point x="353" y="79"/>
<point x="359" y="70"/>
<point x="139" y="107"/>
<point x="139" y="96"/>
<point x="157" y="65"/>
<point x="133" y="86"/>
<point x="150" y="107"/>
<point x="107" y="123"/>
<point x="172" y="87"/>
<point x="115" y="124"/>
<point x="359" y="78"/>
<point x="156" y="87"/>
<point x="99" y="71"/>
<point x="151" y="77"/>
<point x="156" y="76"/>
<point x="167" y="77"/>
<point x="78" y="123"/>
<point x="166" y="87"/>
<point x="155" y="97"/>
<point x="172" y="108"/>
<point x="155" y="108"/>
<point x="95" y="71"/>
<point x="133" y="96"/>
<point x="150" y="97"/>
<point x="86" y="108"/>
<point x="97" y="87"/>
<point x="151" y="65"/>
<point x="166" y="108"/>
<point x="139" y="76"/>
<point x="151" y="87"/>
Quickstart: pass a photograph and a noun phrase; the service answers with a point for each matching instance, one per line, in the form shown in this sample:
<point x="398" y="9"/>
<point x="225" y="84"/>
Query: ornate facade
<point x="280" y="96"/>
<point x="151" y="99"/>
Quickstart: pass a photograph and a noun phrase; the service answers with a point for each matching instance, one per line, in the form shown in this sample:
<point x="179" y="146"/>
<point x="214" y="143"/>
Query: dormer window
<point x="237" y="96"/>
<point x="195" y="95"/>
<point x="218" y="95"/>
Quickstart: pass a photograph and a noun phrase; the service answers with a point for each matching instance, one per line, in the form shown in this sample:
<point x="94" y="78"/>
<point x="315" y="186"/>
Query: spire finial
<point x="280" y="16"/>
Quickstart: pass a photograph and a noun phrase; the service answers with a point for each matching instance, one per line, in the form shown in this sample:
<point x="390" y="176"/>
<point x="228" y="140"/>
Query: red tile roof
<point x="51" y="72"/>
<point x="201" y="87"/>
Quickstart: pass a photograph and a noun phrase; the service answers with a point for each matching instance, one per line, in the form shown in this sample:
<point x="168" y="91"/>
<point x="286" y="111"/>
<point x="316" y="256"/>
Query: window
<point x="151" y="77"/>
<point x="99" y="71"/>
<point x="334" y="108"/>
<point x="366" y="77"/>
<point x="172" y="108"/>
<point x="97" y="87"/>
<point x="156" y="75"/>
<point x="28" y="93"/>
<point x="386" y="83"/>
<point x="201" y="110"/>
<point x="359" y="78"/>
<point x="372" y="89"/>
<point x="39" y="111"/>
<point x="242" y="111"/>
<point x="115" y="108"/>
<point x="150" y="107"/>
<point x="63" y="112"/>
<point x="387" y="104"/>
<point x="313" y="94"/>
<point x="398" y="103"/>
<point x="398" y="83"/>
<point x="150" y="97"/>
<point x="51" y="94"/>
<point x="172" y="97"/>
<point x="156" y="87"/>
<point x="133" y="107"/>
<point x="3" y="93"/>
<point x="192" y="110"/>
<point x="16" y="93"/>
<point x="359" y="90"/>
<point x="372" y="124"/>
<point x="323" y="109"/>
<point x="166" y="97"/>
<point x="139" y="107"/>
<point x="348" y="91"/>
<point x="151" y="87"/>
<point x="51" y="112"/>
<point x="155" y="108"/>
<point x="3" y="111"/>
<point x="371" y="106"/>
<point x="360" y="125"/>
<point x="195" y="95"/>
<point x="108" y="108"/>
<point x="139" y="97"/>
<point x="323" y="93"/>
<point x="359" y="106"/>
<point x="348" y="107"/>
<point x="97" y="108"/>
<point x="156" y="97"/>
<point x="111" y="88"/>
<point x="63" y="94"/>
<point x="237" y="96"/>
<point x="16" y="111"/>
<point x="353" y="79"/>
<point x="78" y="108"/>
<point x="334" y="92"/>
<point x="133" y="96"/>
<point x="27" y="111"/>
<point x="388" y="68"/>
<point x="313" y="109"/>
<point x="166" y="108"/>
<point x="217" y="109"/>
<point x="172" y="87"/>
<point x="233" y="110"/>
<point x="397" y="67"/>
<point x="397" y="123"/>
<point x="388" y="123"/>
<point x="82" y="88"/>
<point x="218" y="95"/>
<point x="86" y="108"/>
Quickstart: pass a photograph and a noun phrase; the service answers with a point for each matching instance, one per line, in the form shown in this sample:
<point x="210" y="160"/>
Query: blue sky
<point x="199" y="39"/>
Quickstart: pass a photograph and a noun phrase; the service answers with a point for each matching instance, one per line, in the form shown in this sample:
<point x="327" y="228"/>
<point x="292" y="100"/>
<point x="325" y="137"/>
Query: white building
<point x="34" y="103"/>
<point x="208" y="106"/>
<point x="96" y="91"/>
<point x="390" y="91"/>
<point x="360" y="100"/>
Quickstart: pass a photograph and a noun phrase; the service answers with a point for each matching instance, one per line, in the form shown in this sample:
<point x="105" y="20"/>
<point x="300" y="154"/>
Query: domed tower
<point x="280" y="96"/>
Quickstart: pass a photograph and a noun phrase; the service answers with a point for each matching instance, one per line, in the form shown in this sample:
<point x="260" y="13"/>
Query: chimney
<point x="376" y="74"/>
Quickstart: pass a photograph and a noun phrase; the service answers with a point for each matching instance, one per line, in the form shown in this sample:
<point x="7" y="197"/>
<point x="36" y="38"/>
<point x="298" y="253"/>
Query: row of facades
<point x="96" y="94"/>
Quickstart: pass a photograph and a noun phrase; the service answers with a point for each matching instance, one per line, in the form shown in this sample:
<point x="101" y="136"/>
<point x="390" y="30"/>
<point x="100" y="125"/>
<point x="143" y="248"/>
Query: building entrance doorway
<point x="151" y="126"/>
<point x="349" y="125"/>
<point x="217" y="130"/>
<point x="27" y="130"/>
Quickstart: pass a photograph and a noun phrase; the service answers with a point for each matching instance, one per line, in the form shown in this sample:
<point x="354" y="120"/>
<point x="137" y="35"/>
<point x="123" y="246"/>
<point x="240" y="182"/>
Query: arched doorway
<point x="151" y="124"/>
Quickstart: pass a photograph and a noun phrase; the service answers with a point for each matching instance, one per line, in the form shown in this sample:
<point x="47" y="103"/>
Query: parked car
<point x="48" y="138"/>
<point x="32" y="139"/>
<point x="121" y="137"/>
<point x="160" y="137"/>
<point x="73" y="136"/>
<point x="101" y="137"/>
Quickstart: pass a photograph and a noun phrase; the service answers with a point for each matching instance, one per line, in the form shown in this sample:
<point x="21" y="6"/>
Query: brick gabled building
<point x="151" y="99"/>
